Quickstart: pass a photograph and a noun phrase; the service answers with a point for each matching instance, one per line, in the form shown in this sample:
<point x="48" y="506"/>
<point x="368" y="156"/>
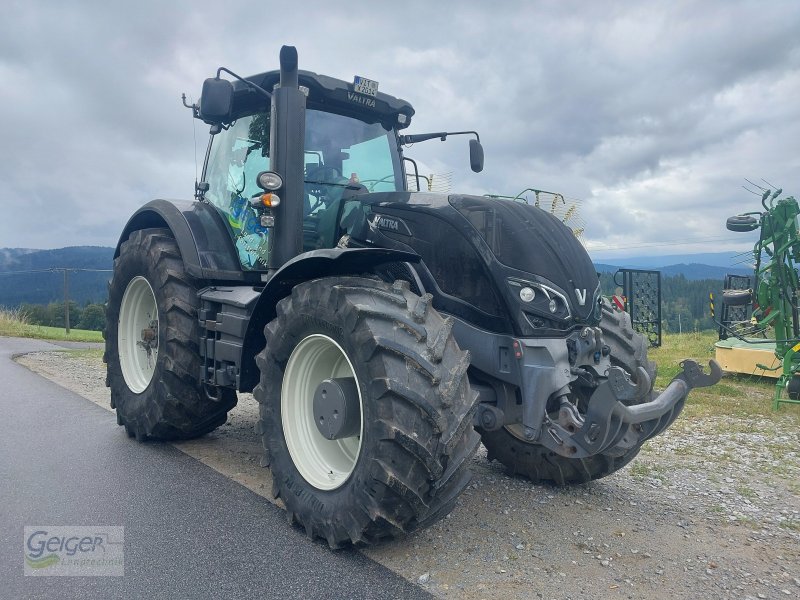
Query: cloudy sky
<point x="651" y="114"/>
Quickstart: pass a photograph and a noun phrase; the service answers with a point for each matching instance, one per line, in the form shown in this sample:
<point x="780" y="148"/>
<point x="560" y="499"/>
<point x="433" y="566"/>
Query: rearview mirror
<point x="216" y="101"/>
<point x="476" y="156"/>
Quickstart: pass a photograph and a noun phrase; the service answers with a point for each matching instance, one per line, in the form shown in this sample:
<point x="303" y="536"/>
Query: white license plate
<point x="365" y="86"/>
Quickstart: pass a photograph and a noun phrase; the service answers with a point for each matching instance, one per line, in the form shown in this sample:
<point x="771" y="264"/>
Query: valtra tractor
<point x="385" y="332"/>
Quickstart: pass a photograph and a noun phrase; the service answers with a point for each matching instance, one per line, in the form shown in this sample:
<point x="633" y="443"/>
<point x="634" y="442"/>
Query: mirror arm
<point x="195" y="107"/>
<point x="475" y="133"/>
<point x="246" y="82"/>
<point x="442" y="135"/>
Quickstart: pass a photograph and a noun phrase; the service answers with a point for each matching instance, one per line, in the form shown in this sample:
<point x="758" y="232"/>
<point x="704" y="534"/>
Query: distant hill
<point x="728" y="260"/>
<point x="40" y="286"/>
<point x="691" y="270"/>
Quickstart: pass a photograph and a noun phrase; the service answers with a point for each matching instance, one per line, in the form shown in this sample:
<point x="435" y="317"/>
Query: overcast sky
<point x="650" y="114"/>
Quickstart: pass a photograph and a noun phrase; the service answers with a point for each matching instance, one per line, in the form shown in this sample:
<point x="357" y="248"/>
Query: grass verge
<point x="14" y="324"/>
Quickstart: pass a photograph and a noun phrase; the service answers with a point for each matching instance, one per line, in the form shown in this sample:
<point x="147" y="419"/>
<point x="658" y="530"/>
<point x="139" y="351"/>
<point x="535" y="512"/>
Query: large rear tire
<point x="540" y="464"/>
<point x="152" y="336"/>
<point x="403" y="462"/>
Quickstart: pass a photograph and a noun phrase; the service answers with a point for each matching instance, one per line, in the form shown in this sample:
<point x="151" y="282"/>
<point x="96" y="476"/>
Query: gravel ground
<point x="711" y="509"/>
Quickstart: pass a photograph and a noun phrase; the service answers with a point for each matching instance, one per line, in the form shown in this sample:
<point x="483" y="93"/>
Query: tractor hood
<point x="529" y="239"/>
<point x="514" y="244"/>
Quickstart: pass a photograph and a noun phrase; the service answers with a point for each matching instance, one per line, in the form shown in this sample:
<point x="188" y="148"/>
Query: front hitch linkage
<point x="609" y="422"/>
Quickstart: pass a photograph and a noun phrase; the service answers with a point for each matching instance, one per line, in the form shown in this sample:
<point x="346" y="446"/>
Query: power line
<point x="659" y="244"/>
<point x="65" y="271"/>
<point x="54" y="269"/>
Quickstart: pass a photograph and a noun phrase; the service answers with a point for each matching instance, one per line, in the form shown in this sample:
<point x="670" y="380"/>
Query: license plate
<point x="365" y="86"/>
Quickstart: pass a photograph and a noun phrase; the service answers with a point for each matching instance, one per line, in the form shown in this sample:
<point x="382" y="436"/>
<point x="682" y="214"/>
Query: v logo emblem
<point x="581" y="296"/>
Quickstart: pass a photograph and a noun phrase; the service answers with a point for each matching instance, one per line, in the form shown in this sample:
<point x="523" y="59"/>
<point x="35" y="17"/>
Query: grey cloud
<point x="648" y="112"/>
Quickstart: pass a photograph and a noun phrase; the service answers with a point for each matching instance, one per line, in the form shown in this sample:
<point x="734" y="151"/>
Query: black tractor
<point x="385" y="332"/>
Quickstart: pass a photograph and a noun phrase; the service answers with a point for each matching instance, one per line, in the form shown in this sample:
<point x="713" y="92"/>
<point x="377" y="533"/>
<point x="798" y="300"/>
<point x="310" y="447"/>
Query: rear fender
<point x="202" y="236"/>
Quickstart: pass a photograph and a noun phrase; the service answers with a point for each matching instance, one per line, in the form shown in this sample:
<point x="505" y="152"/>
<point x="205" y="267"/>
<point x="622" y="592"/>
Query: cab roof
<point x="330" y="95"/>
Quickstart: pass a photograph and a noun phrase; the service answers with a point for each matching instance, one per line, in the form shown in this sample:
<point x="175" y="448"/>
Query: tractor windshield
<point x="343" y="157"/>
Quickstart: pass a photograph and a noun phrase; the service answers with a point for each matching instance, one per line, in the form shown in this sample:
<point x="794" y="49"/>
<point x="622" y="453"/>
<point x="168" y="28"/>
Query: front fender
<point x="316" y="264"/>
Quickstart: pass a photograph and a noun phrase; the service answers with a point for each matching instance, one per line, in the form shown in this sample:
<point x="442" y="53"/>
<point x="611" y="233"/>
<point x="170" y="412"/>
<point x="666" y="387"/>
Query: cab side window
<point x="238" y="155"/>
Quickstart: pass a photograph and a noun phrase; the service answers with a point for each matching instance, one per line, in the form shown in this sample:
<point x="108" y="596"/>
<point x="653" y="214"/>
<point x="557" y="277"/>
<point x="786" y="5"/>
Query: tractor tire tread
<point x="418" y="434"/>
<point x="174" y="406"/>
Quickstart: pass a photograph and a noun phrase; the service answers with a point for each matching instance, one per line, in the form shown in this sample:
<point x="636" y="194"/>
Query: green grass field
<point x="14" y="324"/>
<point x="735" y="395"/>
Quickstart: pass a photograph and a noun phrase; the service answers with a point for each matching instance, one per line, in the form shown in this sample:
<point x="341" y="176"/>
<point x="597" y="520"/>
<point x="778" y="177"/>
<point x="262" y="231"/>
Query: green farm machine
<point x="774" y="295"/>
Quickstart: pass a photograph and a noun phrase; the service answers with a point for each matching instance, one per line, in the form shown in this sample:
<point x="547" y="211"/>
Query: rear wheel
<point x="152" y="335"/>
<point x="366" y="410"/>
<point x="540" y="464"/>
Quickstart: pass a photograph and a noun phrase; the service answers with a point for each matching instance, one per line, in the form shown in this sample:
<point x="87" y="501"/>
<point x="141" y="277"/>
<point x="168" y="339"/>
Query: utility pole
<point x="66" y="300"/>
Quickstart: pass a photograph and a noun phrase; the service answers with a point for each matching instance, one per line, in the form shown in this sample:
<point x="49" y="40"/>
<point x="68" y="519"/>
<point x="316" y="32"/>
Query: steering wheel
<point x="374" y="182"/>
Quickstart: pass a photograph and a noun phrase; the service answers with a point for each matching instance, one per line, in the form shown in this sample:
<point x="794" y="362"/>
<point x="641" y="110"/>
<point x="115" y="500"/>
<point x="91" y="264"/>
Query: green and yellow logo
<point x="43" y="562"/>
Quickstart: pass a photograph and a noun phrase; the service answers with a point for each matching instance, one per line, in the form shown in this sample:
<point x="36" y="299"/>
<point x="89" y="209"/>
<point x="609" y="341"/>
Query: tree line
<point x="89" y="316"/>
<point x="684" y="302"/>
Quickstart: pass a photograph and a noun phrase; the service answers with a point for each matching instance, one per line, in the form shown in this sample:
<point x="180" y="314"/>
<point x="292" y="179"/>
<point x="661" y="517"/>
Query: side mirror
<point x="216" y="101"/>
<point x="476" y="156"/>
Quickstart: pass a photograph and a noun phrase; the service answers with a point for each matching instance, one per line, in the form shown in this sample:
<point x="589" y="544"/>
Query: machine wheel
<point x="737" y="297"/>
<point x="540" y="464"/>
<point x="376" y="368"/>
<point x="741" y="223"/>
<point x="152" y="335"/>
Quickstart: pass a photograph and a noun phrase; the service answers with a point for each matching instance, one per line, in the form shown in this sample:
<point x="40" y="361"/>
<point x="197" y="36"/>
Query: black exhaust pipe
<point x="287" y="140"/>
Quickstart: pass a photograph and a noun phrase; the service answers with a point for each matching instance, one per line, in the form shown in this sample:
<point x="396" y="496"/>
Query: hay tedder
<point x="774" y="295"/>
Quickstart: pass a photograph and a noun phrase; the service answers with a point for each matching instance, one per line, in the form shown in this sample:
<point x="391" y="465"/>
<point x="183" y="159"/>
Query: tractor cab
<point x="350" y="147"/>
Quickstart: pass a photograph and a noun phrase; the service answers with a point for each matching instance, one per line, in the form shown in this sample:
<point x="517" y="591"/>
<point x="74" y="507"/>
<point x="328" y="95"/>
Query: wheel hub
<point x="149" y="335"/>
<point x="319" y="386"/>
<point x="337" y="412"/>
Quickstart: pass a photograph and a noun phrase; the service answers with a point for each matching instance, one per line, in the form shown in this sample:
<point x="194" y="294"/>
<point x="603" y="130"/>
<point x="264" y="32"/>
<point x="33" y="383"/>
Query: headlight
<point x="541" y="298"/>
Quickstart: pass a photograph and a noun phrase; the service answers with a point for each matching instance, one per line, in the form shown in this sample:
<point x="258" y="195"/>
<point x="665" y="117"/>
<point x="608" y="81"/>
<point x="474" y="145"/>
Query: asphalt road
<point x="189" y="531"/>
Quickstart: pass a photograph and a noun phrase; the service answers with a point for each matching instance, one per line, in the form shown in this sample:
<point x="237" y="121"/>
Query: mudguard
<point x="316" y="264"/>
<point x="202" y="235"/>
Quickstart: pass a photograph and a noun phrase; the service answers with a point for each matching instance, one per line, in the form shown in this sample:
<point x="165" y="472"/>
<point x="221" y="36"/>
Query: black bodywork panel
<point x="202" y="236"/>
<point x="233" y="317"/>
<point x="467" y="262"/>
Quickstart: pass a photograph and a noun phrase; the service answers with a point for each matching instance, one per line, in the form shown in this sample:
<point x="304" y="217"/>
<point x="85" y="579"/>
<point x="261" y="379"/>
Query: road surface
<point x="189" y="531"/>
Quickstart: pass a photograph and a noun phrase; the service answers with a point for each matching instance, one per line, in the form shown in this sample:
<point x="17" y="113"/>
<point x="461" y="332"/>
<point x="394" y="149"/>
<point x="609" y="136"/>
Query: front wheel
<point x="365" y="409"/>
<point x="540" y="464"/>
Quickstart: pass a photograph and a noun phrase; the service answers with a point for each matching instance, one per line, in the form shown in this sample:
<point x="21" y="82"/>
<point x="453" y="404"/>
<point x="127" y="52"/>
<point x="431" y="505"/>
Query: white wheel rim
<point x="137" y="334"/>
<point x="325" y="464"/>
